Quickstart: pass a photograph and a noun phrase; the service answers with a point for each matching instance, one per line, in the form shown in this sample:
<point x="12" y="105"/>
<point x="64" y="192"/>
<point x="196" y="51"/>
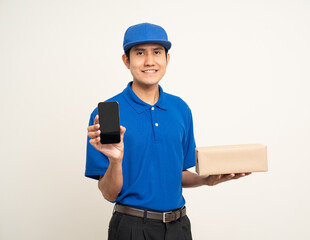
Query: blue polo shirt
<point x="158" y="145"/>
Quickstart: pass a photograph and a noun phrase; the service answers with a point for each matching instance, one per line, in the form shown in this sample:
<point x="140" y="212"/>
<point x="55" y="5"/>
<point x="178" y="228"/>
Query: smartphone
<point x="109" y="122"/>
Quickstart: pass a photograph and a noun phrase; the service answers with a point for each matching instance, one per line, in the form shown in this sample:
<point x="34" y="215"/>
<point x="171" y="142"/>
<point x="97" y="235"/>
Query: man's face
<point x="147" y="64"/>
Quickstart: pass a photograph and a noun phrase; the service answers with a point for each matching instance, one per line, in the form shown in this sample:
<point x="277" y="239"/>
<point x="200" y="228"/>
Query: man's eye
<point x="157" y="52"/>
<point x="139" y="53"/>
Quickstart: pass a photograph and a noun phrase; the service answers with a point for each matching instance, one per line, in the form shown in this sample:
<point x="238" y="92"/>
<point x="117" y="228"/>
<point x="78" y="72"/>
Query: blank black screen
<point x="109" y="122"/>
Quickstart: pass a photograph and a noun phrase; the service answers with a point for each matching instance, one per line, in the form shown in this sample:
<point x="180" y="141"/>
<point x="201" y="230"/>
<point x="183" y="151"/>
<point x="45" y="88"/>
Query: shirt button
<point x="152" y="108"/>
<point x="156" y="124"/>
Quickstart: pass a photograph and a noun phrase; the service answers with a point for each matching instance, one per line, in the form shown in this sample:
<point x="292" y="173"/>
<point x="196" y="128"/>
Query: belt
<point x="166" y="217"/>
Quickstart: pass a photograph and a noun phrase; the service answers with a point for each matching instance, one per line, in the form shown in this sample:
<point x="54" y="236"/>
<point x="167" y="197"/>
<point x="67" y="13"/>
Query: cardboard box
<point x="231" y="159"/>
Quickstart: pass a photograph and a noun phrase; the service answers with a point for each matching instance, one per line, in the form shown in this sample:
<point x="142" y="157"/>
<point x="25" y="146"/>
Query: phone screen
<point x="109" y="122"/>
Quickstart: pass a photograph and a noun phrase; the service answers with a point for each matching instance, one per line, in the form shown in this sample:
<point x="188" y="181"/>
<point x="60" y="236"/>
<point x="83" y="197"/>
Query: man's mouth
<point x="150" y="71"/>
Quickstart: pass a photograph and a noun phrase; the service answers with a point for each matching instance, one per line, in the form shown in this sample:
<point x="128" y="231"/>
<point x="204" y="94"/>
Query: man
<point x="145" y="172"/>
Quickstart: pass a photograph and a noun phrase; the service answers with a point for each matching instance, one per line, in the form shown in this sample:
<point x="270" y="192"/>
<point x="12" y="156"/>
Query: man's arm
<point x="190" y="179"/>
<point x="111" y="183"/>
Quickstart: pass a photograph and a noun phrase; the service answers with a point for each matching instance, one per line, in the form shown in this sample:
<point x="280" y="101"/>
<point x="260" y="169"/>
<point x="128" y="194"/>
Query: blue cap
<point x="145" y="33"/>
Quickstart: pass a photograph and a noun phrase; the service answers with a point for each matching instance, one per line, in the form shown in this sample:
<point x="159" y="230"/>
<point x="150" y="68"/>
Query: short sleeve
<point x="96" y="162"/>
<point x="189" y="144"/>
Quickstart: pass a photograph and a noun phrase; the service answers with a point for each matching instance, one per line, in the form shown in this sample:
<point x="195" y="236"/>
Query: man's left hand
<point x="212" y="180"/>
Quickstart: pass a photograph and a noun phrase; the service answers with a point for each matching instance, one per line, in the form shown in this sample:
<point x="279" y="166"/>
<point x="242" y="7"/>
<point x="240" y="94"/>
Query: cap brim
<point x="165" y="44"/>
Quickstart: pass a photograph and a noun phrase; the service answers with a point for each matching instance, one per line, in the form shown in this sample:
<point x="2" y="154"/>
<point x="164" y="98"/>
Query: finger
<point x="93" y="128"/>
<point x="246" y="174"/>
<point x="238" y="175"/>
<point x="96" y="120"/>
<point x="122" y="130"/>
<point x="228" y="176"/>
<point x="93" y="134"/>
<point x="94" y="141"/>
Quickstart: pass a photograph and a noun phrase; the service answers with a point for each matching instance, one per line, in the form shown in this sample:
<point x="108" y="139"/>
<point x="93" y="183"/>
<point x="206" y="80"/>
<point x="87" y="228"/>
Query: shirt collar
<point x="141" y="106"/>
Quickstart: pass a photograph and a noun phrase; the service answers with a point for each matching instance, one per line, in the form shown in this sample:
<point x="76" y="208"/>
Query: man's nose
<point x="149" y="60"/>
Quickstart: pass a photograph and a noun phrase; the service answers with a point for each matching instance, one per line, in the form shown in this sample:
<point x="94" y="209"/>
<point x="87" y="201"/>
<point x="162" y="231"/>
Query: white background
<point x="242" y="66"/>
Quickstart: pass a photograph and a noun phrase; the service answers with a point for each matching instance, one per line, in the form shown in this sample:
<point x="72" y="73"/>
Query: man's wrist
<point x="115" y="160"/>
<point x="204" y="180"/>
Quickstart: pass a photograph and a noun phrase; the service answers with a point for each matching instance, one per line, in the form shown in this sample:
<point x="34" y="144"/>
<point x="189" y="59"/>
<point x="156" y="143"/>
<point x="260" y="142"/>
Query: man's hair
<point x="127" y="53"/>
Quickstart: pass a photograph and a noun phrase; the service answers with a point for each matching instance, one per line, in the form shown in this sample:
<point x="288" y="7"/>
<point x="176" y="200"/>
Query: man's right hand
<point x="114" y="152"/>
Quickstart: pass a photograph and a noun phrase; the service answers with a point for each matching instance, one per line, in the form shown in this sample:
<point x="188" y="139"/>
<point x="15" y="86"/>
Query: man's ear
<point x="126" y="60"/>
<point x="168" y="58"/>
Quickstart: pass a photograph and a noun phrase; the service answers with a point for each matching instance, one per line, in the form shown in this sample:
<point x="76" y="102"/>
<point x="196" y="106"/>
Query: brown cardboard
<point x="231" y="159"/>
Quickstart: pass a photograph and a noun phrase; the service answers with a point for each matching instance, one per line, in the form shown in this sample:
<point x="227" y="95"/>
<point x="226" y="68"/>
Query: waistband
<point x="166" y="217"/>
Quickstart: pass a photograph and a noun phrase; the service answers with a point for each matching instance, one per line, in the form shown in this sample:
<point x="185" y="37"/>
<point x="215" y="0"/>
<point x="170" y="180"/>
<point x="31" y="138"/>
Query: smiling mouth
<point x="150" y="71"/>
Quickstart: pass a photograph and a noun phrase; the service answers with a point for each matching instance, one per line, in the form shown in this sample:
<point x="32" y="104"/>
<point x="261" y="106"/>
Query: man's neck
<point x="148" y="94"/>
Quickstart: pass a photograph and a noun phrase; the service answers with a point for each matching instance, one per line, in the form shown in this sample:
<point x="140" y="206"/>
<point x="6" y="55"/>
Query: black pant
<point x="126" y="227"/>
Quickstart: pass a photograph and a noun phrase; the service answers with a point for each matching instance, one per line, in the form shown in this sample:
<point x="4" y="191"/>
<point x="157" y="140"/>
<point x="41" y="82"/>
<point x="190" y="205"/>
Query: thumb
<point x="96" y="120"/>
<point x="123" y="130"/>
